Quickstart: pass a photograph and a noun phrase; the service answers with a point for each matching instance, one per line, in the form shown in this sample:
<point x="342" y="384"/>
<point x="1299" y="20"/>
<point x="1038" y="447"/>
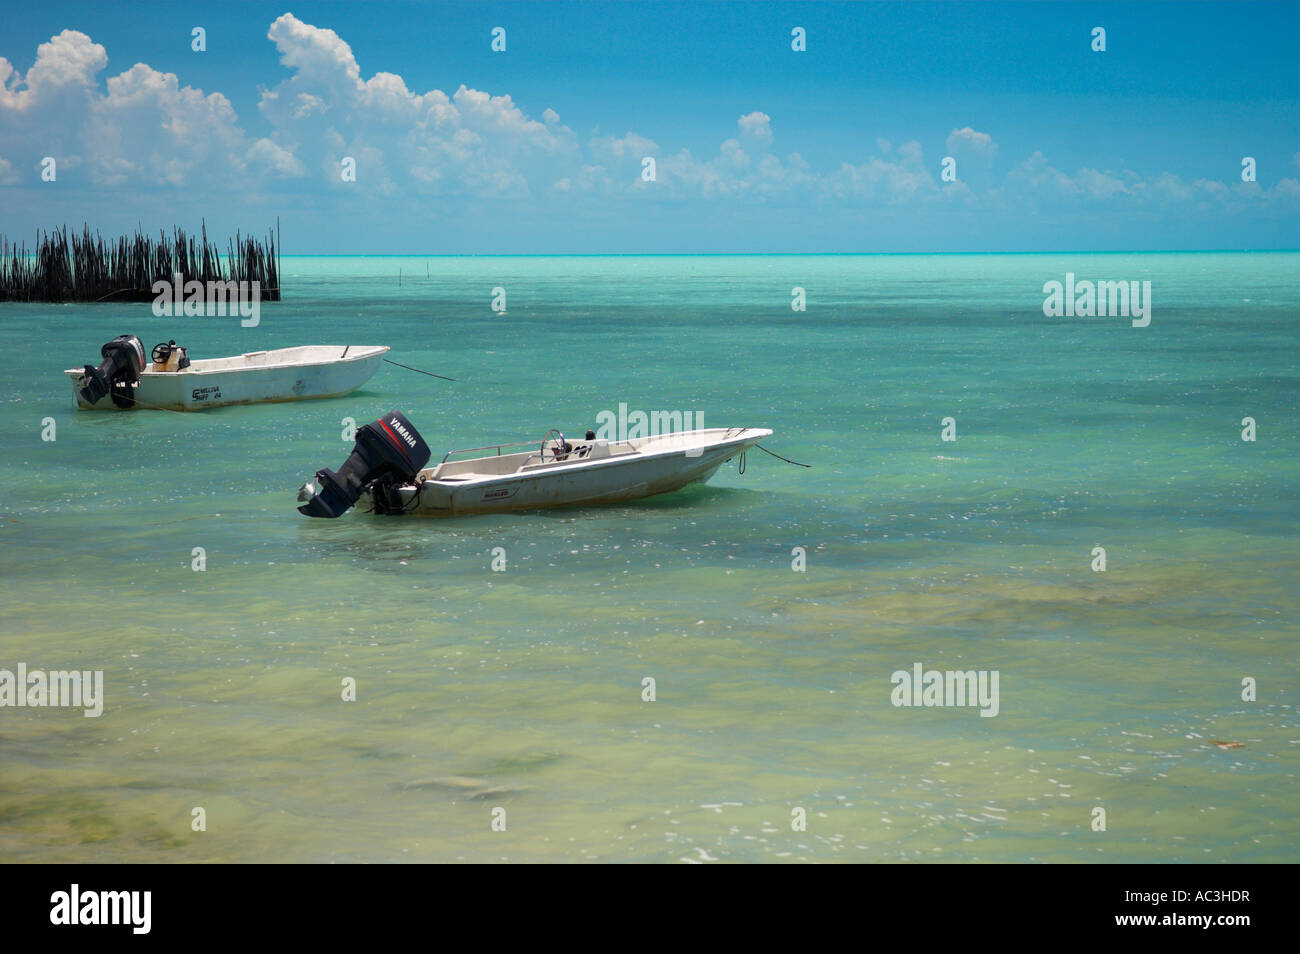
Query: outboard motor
<point x="387" y="453"/>
<point x="119" y="373"/>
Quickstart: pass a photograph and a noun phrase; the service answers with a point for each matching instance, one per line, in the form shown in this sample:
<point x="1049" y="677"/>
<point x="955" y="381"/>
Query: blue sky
<point x="757" y="147"/>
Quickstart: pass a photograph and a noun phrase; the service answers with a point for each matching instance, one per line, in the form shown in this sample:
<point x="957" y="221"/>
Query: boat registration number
<point x="205" y="394"/>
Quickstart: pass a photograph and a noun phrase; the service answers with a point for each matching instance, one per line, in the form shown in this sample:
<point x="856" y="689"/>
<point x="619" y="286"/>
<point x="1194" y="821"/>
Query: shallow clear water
<point x="522" y="689"/>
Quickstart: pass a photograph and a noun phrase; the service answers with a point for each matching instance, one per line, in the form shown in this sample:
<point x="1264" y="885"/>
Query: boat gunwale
<point x="587" y="463"/>
<point x="194" y="371"/>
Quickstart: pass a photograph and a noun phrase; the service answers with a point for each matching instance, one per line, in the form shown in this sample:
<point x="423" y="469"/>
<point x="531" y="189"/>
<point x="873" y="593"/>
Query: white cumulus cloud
<point x="758" y="125"/>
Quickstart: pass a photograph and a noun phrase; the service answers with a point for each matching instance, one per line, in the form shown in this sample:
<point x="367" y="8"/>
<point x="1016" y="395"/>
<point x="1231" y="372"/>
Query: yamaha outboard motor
<point x="388" y="452"/>
<point x="119" y="373"/>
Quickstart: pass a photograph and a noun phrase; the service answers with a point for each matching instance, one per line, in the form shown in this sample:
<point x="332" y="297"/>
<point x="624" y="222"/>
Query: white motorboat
<point x="386" y="471"/>
<point x="172" y="382"/>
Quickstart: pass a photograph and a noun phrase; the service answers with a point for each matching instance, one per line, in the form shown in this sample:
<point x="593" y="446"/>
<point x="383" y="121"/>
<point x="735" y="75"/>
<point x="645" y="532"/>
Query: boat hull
<point x="608" y="481"/>
<point x="199" y="387"/>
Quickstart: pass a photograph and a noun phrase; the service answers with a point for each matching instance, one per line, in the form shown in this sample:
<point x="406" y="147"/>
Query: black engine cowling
<point x="120" y="370"/>
<point x="388" y="451"/>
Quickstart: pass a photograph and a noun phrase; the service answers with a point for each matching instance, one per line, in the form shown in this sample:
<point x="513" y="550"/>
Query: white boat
<point x="176" y="384"/>
<point x="386" y="472"/>
<point x="591" y="472"/>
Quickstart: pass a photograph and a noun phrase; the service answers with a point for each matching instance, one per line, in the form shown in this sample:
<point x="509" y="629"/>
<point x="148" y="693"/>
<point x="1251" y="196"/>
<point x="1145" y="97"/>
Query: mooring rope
<point x="429" y="373"/>
<point x="740" y="464"/>
<point x="779" y="457"/>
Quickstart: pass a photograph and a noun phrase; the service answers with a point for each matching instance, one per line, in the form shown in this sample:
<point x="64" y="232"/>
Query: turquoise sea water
<point x="522" y="689"/>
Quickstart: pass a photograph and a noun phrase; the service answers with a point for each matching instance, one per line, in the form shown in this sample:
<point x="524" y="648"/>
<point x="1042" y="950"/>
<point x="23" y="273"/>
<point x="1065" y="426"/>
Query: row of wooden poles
<point x="85" y="267"/>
